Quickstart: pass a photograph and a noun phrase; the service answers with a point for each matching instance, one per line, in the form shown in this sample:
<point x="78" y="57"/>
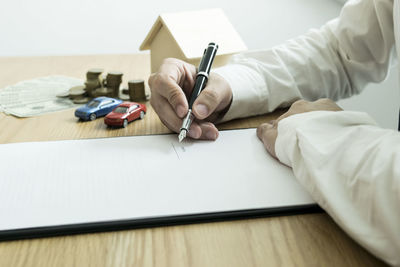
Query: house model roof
<point x="193" y="30"/>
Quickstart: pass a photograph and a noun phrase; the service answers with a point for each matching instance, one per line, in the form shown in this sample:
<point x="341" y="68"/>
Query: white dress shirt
<point x="349" y="165"/>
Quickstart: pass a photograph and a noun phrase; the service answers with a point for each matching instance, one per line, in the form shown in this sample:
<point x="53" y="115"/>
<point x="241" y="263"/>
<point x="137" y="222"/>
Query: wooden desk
<point x="302" y="240"/>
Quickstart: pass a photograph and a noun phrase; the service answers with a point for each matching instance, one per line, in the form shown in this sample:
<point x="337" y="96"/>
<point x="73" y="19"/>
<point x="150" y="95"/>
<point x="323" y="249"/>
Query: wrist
<point x="249" y="96"/>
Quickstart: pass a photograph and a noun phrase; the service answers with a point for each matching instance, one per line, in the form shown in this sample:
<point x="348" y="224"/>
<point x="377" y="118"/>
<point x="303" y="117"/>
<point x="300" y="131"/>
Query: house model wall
<point x="185" y="35"/>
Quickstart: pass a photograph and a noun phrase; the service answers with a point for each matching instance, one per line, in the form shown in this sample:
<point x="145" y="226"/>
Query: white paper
<point x="81" y="181"/>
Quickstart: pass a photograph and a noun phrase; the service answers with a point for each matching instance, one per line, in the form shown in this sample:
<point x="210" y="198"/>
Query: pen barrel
<point x="208" y="58"/>
<point x="199" y="85"/>
<point x="203" y="71"/>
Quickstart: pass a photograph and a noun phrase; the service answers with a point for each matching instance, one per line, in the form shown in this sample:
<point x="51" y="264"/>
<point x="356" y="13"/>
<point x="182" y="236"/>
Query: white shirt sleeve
<point x="351" y="167"/>
<point x="335" y="61"/>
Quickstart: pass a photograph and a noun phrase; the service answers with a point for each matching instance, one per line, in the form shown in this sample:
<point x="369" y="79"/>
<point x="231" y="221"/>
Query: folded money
<point x="37" y="96"/>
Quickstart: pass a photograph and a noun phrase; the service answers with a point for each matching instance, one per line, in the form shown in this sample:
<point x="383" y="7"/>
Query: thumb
<point x="215" y="97"/>
<point x="267" y="133"/>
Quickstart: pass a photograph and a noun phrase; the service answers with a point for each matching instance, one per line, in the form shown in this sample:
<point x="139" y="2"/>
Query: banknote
<point x="37" y="96"/>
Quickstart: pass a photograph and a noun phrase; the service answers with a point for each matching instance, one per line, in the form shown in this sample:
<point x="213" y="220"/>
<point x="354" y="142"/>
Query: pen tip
<point x="182" y="135"/>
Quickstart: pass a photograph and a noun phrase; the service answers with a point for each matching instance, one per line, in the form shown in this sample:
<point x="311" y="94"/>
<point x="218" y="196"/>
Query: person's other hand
<point x="268" y="132"/>
<point x="171" y="87"/>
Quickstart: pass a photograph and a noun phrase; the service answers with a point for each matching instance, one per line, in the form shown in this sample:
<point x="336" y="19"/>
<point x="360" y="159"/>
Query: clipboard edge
<point x="174" y="220"/>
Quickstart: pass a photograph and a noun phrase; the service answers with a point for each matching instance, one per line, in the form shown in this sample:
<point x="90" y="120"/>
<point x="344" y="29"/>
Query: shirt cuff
<point x="249" y="95"/>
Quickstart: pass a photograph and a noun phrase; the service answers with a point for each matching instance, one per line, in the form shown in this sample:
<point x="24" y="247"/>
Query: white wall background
<point x="70" y="27"/>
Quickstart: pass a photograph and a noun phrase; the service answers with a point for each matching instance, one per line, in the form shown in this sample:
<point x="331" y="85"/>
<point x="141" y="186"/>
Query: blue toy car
<point x="97" y="107"/>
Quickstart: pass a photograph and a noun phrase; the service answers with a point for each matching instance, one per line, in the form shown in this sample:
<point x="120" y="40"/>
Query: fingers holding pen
<point x="167" y="89"/>
<point x="173" y="84"/>
<point x="170" y="118"/>
<point x="208" y="131"/>
<point x="173" y="81"/>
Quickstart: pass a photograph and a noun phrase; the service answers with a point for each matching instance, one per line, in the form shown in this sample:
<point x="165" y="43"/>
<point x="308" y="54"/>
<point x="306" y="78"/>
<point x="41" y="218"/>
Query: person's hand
<point x="171" y="87"/>
<point x="268" y="132"/>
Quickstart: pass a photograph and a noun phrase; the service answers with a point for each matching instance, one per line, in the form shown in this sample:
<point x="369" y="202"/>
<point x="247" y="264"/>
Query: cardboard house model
<point x="185" y="35"/>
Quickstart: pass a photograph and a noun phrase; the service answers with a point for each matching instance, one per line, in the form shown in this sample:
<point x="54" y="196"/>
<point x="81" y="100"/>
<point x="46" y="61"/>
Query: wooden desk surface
<point x="302" y="240"/>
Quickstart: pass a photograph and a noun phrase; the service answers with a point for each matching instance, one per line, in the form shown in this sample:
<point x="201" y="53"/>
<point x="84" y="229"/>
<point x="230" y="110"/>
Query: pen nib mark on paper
<point x="176" y="152"/>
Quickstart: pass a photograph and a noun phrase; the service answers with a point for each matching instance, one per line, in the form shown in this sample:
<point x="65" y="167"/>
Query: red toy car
<point x="125" y="113"/>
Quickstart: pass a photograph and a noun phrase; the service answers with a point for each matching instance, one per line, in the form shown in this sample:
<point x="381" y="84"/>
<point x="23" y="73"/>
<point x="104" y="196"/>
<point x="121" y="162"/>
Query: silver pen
<point x="200" y="84"/>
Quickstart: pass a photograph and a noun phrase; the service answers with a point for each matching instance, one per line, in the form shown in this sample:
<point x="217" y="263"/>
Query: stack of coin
<point x="114" y="80"/>
<point x="78" y="95"/>
<point x="94" y="80"/>
<point x="81" y="100"/>
<point x="96" y="85"/>
<point x="136" y="90"/>
<point x="63" y="94"/>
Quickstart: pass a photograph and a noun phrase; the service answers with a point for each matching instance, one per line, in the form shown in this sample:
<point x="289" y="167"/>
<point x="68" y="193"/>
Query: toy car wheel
<point x="141" y="116"/>
<point x="125" y="123"/>
<point x="92" y="116"/>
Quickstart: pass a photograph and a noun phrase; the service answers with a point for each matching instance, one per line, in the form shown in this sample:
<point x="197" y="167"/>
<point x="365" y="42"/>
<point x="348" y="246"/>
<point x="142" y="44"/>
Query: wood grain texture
<point x="301" y="240"/>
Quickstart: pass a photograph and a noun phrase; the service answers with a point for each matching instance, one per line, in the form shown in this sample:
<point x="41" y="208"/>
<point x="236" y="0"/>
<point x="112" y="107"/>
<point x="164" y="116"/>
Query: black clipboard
<point x="129" y="224"/>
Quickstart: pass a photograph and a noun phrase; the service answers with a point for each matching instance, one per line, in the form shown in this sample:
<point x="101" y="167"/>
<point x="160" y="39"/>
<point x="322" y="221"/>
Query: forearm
<point x="335" y="61"/>
<point x="351" y="167"/>
<point x="305" y="67"/>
